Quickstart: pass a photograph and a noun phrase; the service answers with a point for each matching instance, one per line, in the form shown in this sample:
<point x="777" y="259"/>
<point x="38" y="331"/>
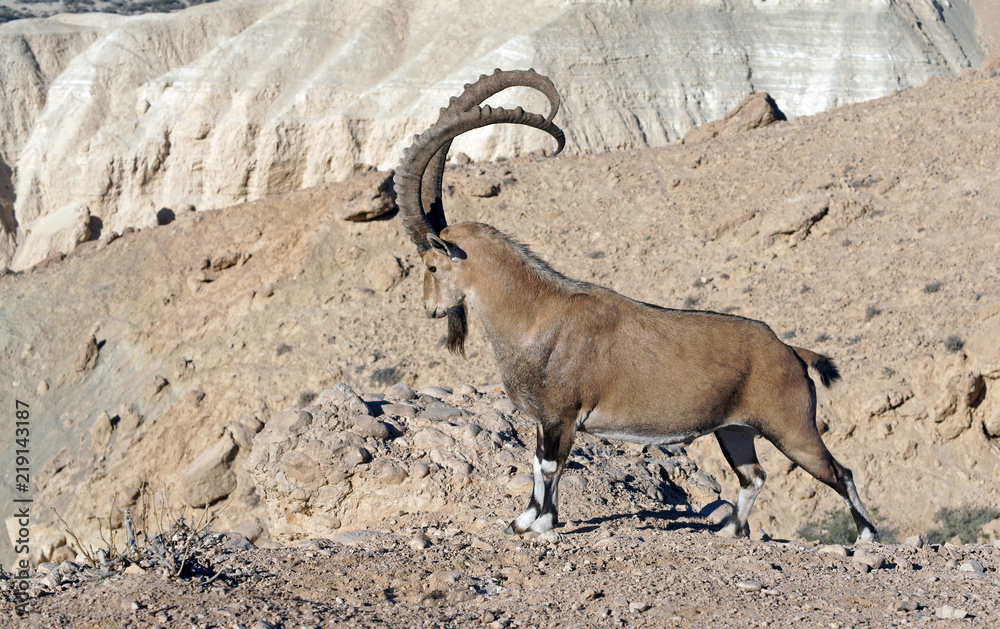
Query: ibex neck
<point x="512" y="301"/>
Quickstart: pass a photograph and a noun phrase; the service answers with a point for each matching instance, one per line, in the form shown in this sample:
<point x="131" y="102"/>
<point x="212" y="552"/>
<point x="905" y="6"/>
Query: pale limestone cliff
<point x="235" y="100"/>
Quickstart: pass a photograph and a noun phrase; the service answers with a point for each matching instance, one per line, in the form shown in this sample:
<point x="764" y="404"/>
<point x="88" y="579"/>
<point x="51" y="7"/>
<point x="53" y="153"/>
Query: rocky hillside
<point x="866" y="233"/>
<point x="108" y="119"/>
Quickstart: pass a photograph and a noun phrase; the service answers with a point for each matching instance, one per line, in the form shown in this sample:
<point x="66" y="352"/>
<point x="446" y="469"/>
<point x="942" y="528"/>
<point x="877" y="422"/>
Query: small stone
<point x="399" y="410"/>
<point x="419" y="544"/>
<point x="388" y="472"/>
<point x="343" y="396"/>
<point x="638" y="607"/>
<point x="86" y="356"/>
<point x="68" y="567"/>
<point x="209" y="477"/>
<point x="155" y="385"/>
<point x="362" y="538"/>
<point x="833" y="549"/>
<point x="588" y="595"/>
<point x="235" y="540"/>
<point x="549" y="537"/>
<point x="129" y="419"/>
<point x="905" y="606"/>
<point x="400" y="391"/>
<point x="466" y="389"/>
<point x="292" y="422"/>
<point x="915" y="541"/>
<point x="482" y="545"/>
<point x="749" y="586"/>
<point x="449" y="460"/>
<point x="972" y="566"/>
<point x="469" y="431"/>
<point x="520" y="484"/>
<point x="505" y="406"/>
<point x="432" y="438"/>
<point x="367" y="426"/>
<point x="866" y="558"/>
<point x="440" y="413"/>
<point x="100" y="432"/>
<point x="620" y="602"/>
<point x="438" y="392"/>
<point x="134" y="569"/>
<point x="717" y="511"/>
<point x="947" y="612"/>
<point x="225" y="260"/>
<point x="242" y="435"/>
<point x="376" y="200"/>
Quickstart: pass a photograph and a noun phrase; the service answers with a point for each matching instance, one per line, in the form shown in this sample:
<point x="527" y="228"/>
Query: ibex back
<point x="579" y="357"/>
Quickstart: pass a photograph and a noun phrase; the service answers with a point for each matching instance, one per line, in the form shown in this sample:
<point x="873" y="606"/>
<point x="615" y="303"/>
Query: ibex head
<point x="444" y="288"/>
<point x="419" y="177"/>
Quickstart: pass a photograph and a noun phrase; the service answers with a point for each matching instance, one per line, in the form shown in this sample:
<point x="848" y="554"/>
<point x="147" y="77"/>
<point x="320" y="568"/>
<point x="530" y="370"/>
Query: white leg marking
<point x="539" y="491"/>
<point x="542" y="524"/>
<point x="549" y="467"/>
<point x="852" y="492"/>
<point x="744" y="502"/>
<point x="524" y="520"/>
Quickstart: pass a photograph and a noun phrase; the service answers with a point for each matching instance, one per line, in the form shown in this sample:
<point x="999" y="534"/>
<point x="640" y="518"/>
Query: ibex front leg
<point x="552" y="447"/>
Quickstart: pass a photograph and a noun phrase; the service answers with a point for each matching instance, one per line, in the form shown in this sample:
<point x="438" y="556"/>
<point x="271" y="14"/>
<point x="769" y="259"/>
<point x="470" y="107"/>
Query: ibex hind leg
<point x="811" y="454"/>
<point x="737" y="446"/>
<point x="551" y="451"/>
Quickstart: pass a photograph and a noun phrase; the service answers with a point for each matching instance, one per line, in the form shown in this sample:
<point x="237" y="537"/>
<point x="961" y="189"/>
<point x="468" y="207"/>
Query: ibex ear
<point x="444" y="247"/>
<point x="437" y="244"/>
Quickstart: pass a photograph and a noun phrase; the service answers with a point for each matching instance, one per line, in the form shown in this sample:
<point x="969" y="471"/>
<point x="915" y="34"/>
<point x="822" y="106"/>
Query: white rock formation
<point x="230" y="101"/>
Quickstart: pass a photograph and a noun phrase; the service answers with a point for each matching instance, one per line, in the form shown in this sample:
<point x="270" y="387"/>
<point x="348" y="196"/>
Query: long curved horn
<point x="419" y="154"/>
<point x="473" y="96"/>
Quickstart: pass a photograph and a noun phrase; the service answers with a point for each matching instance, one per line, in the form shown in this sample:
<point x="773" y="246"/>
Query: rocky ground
<point x="642" y="569"/>
<point x="634" y="552"/>
<point x="868" y="233"/>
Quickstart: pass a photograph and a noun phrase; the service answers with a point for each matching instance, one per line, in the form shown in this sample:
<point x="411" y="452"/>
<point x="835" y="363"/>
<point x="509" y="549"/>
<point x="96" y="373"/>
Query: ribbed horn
<point x="473" y="96"/>
<point x="425" y="146"/>
<point x="430" y="210"/>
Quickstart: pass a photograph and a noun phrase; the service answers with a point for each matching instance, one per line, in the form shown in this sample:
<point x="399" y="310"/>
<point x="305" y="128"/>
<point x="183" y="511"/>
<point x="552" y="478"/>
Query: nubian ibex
<point x="575" y="356"/>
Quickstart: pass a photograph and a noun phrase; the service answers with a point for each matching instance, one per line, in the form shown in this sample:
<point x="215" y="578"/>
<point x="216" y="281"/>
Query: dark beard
<point x="458" y="327"/>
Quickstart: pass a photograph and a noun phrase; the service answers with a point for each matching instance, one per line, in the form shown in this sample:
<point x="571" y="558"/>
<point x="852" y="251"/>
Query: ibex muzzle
<point x="576" y="356"/>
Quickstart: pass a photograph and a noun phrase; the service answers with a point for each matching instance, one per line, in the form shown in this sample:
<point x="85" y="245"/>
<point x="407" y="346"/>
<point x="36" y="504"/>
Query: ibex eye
<point x="432" y="269"/>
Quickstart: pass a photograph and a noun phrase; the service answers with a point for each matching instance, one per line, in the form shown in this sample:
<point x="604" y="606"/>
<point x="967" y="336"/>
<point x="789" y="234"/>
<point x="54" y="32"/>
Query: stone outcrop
<point x="346" y="464"/>
<point x="209" y="477"/>
<point x="234" y="100"/>
<point x="753" y="112"/>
